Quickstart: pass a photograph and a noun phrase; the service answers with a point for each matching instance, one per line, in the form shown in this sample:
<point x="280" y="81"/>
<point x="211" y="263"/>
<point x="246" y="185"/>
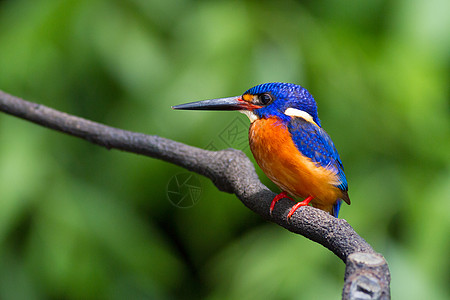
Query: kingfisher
<point x="289" y="144"/>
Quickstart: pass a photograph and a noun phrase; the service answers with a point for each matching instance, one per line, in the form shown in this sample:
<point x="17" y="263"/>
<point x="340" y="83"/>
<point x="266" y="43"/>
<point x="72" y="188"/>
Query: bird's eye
<point x="265" y="98"/>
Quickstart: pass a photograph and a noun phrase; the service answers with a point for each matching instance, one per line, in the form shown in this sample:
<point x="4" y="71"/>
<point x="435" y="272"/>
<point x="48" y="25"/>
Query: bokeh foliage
<point x="80" y="222"/>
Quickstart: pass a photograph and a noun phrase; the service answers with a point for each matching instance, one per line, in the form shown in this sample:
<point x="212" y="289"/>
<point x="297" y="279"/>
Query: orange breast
<point x="279" y="158"/>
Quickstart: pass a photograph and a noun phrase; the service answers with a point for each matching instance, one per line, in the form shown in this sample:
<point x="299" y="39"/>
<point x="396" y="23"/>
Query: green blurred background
<point x="80" y="222"/>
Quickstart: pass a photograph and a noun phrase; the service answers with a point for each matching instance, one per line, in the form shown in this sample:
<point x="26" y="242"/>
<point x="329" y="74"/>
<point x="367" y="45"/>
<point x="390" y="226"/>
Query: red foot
<point x="278" y="197"/>
<point x="299" y="204"/>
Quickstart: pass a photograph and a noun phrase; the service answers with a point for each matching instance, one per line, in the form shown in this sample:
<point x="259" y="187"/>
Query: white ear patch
<point x="251" y="115"/>
<point x="293" y="112"/>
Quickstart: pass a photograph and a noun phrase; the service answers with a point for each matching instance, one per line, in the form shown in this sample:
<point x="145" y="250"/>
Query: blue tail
<point x="337" y="207"/>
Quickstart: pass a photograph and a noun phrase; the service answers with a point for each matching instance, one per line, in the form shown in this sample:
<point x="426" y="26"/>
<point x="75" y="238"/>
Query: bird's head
<point x="281" y="100"/>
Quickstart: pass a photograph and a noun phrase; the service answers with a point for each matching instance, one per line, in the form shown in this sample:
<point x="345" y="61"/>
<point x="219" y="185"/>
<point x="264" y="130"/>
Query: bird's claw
<point x="298" y="205"/>
<point x="276" y="199"/>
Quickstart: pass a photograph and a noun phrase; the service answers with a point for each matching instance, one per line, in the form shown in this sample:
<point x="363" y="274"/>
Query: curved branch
<point x="232" y="172"/>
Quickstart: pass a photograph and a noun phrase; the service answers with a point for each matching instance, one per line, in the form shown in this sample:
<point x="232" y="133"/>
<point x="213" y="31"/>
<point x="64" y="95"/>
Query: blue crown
<point x="286" y="95"/>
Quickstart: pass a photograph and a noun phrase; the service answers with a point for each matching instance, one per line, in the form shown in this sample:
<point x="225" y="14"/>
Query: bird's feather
<point x="313" y="142"/>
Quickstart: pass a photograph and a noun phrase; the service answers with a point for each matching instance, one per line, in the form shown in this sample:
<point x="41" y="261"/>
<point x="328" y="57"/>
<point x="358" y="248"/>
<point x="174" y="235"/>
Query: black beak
<point x="230" y="103"/>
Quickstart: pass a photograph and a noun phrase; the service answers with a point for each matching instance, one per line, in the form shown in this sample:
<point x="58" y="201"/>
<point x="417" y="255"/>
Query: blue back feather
<point x="336" y="208"/>
<point x="314" y="143"/>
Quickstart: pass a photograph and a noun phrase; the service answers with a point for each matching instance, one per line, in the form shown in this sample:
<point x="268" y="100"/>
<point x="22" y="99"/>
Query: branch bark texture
<point x="367" y="274"/>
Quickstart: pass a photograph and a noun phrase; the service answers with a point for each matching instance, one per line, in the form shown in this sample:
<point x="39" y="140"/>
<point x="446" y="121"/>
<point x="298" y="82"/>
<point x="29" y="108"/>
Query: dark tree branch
<point x="232" y="172"/>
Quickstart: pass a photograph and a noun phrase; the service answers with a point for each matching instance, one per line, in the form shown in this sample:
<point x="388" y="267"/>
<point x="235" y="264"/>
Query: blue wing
<point x="313" y="142"/>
